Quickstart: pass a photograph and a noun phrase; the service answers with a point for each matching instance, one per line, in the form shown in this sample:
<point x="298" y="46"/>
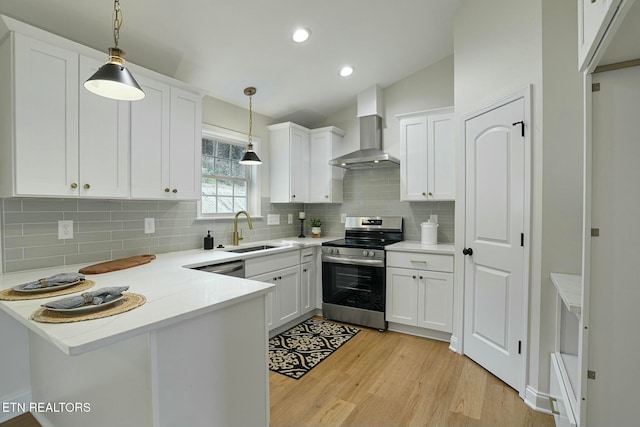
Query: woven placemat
<point x="129" y="302"/>
<point x="11" y="295"/>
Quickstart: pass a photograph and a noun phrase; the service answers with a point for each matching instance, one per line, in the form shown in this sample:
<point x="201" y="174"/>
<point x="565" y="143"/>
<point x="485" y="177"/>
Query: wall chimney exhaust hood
<point x="370" y="154"/>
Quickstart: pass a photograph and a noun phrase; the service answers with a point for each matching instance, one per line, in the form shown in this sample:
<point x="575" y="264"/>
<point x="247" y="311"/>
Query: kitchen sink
<point x="252" y="249"/>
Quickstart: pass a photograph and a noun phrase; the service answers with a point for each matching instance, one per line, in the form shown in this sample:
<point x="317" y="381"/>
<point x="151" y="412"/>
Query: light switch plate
<point x="290" y="219"/>
<point x="65" y="229"/>
<point x="343" y="218"/>
<point x="273" y="219"/>
<point x="149" y="225"/>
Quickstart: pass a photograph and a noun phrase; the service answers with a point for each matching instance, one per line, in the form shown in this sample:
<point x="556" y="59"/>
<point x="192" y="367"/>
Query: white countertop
<point x="415" y="246"/>
<point x="173" y="294"/>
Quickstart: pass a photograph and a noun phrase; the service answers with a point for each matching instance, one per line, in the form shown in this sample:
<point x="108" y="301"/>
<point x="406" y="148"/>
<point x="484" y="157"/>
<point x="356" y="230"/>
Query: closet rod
<point x="617" y="66"/>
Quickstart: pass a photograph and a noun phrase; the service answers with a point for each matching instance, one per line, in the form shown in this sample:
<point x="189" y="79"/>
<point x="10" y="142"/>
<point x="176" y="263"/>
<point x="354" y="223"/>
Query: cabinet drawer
<point x="420" y="261"/>
<point x="267" y="263"/>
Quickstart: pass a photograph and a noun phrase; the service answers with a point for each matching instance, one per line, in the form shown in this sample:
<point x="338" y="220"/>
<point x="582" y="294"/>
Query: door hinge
<point x="522" y="239"/>
<point x="519" y="347"/>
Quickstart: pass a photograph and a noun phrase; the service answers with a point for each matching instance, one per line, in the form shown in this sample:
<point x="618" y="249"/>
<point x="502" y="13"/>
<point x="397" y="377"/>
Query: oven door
<point x="353" y="282"/>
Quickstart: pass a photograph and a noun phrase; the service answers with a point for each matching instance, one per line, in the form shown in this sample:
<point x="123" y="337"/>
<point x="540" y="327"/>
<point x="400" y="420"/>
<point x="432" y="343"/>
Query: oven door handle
<point x="354" y="261"/>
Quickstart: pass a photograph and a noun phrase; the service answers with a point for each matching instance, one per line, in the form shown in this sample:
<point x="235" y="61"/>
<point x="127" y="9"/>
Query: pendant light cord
<point x="117" y="21"/>
<point x="250" y="122"/>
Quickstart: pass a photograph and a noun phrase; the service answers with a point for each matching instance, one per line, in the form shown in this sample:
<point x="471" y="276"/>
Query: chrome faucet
<point x="238" y="236"/>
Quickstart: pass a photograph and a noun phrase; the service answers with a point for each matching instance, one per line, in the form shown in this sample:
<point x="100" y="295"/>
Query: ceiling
<point x="223" y="46"/>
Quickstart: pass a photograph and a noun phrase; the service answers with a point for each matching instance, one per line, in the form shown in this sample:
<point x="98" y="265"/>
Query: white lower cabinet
<point x="307" y="280"/>
<point x="419" y="296"/>
<point x="294" y="278"/>
<point x="283" y="303"/>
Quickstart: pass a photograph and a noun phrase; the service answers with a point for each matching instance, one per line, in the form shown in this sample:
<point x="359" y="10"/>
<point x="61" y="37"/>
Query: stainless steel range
<point x="354" y="271"/>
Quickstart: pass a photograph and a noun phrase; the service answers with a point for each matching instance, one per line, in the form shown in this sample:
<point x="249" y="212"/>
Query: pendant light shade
<point x="250" y="157"/>
<point x="113" y="80"/>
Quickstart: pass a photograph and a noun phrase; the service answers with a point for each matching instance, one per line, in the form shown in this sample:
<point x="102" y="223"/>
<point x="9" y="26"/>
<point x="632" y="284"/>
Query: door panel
<point x="495" y="316"/>
<point x="491" y="290"/>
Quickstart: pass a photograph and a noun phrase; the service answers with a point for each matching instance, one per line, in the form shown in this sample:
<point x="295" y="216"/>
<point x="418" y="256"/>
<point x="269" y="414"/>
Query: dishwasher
<point x="231" y="268"/>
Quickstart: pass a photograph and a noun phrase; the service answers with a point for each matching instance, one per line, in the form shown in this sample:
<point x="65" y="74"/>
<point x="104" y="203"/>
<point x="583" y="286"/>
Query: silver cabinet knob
<point x="175" y="190"/>
<point x="166" y="190"/>
<point x="87" y="186"/>
<point x="74" y="185"/>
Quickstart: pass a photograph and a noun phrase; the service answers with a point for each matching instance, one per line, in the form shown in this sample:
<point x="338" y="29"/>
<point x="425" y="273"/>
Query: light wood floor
<point x="390" y="379"/>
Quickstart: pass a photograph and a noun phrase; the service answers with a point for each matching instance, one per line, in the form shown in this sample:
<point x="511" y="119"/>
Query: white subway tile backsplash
<point x="111" y="229"/>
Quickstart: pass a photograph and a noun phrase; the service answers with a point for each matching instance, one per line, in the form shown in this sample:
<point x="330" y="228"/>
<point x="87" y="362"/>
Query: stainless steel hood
<point x="370" y="154"/>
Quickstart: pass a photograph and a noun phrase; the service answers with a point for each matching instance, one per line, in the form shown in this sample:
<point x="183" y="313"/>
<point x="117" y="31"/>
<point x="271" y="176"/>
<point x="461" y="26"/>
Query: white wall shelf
<point x="570" y="290"/>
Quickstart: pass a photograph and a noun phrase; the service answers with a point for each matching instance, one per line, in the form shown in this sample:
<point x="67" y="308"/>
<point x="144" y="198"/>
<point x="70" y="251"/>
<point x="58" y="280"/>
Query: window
<point x="227" y="186"/>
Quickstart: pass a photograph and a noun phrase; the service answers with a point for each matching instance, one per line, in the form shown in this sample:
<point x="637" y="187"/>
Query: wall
<point x="109" y="229"/>
<point x="502" y="46"/>
<point x="377" y="191"/>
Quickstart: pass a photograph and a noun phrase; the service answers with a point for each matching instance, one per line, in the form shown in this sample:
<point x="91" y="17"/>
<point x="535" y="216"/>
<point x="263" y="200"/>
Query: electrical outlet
<point x="149" y="225"/>
<point x="343" y="218"/>
<point x="273" y="219"/>
<point x="290" y="219"/>
<point x="65" y="229"/>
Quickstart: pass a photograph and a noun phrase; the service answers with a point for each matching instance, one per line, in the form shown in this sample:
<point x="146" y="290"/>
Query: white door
<point x="494" y="309"/>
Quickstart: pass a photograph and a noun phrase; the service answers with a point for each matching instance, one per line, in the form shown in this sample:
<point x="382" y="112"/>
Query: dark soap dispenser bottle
<point x="208" y="241"/>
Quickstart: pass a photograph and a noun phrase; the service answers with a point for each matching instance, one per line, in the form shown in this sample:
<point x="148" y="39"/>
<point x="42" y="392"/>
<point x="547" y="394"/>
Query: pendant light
<point x="250" y="157"/>
<point x="113" y="80"/>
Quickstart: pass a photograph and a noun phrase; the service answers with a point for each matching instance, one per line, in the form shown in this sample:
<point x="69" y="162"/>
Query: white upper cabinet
<point x="103" y="141"/>
<point x="166" y="140"/>
<point x="150" y="141"/>
<point x="594" y="17"/>
<point x="59" y="140"/>
<point x="427" y="156"/>
<point x="289" y="163"/>
<point x="44" y="141"/>
<point x="185" y="144"/>
<point x="325" y="182"/>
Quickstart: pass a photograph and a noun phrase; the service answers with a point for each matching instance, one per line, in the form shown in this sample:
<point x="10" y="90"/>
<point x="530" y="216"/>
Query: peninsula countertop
<point x="173" y="291"/>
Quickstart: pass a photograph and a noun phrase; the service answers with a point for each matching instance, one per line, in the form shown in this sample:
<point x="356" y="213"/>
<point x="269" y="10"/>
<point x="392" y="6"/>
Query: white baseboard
<point x="454" y="345"/>
<point x="419" y="332"/>
<point x="22" y="398"/>
<point x="537" y="401"/>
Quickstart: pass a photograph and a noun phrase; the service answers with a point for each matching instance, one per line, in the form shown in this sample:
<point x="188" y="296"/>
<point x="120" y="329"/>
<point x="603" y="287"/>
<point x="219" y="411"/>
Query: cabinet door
<point x="402" y="296"/>
<point x="325" y="182"/>
<point x="441" y="157"/>
<point x="185" y="145"/>
<point x="435" y="300"/>
<point x="413" y="158"/>
<point x="270" y="300"/>
<point x="46" y="119"/>
<point x="150" y="141"/>
<point x="308" y="285"/>
<point x="594" y="17"/>
<point x="103" y="141"/>
<point x="319" y="169"/>
<point x="299" y="165"/>
<point x="287" y="283"/>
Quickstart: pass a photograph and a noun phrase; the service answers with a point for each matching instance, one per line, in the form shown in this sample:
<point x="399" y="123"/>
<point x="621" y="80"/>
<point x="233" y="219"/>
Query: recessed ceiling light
<point x="346" y="71"/>
<point x="301" y="35"/>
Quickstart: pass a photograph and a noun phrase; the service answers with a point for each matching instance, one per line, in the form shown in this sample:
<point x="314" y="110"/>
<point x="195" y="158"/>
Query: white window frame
<point x="253" y="182"/>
